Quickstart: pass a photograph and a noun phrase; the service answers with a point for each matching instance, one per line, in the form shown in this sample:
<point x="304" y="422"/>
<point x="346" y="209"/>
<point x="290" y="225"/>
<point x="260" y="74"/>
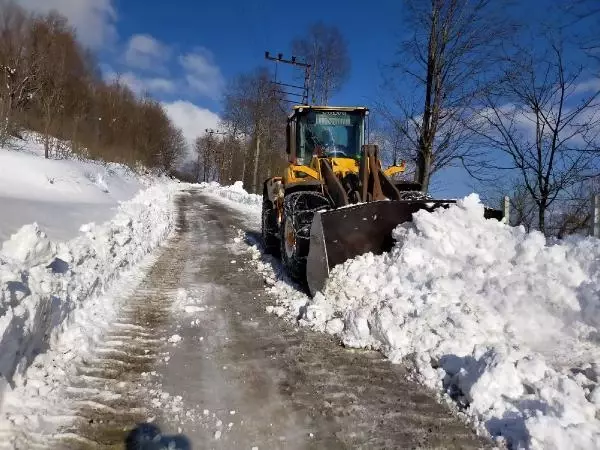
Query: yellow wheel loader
<point x="334" y="200"/>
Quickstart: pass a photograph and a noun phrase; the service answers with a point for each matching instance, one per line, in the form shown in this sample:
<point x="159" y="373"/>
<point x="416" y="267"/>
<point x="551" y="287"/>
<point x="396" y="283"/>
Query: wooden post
<point x="506" y="210"/>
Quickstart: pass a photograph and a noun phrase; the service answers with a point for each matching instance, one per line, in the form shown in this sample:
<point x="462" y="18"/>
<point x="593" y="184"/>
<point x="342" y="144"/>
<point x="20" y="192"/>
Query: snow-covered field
<point x="59" y="194"/>
<point x="48" y="285"/>
<point x="501" y="321"/>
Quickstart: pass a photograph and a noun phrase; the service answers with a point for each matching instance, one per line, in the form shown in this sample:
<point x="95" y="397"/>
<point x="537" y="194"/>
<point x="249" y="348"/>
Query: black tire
<point x="269" y="228"/>
<point x="298" y="211"/>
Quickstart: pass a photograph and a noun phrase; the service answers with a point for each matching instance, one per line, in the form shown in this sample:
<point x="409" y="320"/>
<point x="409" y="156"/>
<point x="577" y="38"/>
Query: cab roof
<point x="300" y="108"/>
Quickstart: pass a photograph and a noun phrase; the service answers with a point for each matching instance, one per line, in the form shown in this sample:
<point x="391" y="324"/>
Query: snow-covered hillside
<point x="502" y="321"/>
<point x="59" y="194"/>
<point x="48" y="284"/>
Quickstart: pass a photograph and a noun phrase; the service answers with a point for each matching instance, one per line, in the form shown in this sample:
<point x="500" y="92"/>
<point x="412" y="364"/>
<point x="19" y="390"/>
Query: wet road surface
<point x="195" y="352"/>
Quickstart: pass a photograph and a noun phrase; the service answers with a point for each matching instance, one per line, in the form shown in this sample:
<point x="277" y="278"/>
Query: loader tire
<point x="298" y="211"/>
<point x="269" y="228"/>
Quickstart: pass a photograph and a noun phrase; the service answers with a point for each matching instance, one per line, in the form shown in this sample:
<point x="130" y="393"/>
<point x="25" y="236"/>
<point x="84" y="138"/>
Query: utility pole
<point x="208" y="151"/>
<point x="291" y="89"/>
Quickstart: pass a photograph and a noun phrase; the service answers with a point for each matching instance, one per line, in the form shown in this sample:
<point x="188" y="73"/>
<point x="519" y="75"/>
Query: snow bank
<point x="235" y="193"/>
<point x="43" y="282"/>
<point x="504" y="322"/>
<point x="59" y="194"/>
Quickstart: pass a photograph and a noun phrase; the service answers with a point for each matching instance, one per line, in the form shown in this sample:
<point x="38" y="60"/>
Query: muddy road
<point x="195" y="352"/>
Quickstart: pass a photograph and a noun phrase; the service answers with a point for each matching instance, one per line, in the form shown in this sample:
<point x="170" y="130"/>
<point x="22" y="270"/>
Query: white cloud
<point x="521" y="120"/>
<point x="145" y="52"/>
<point x="589" y="86"/>
<point x="94" y="20"/>
<point x="192" y="119"/>
<point x="141" y="85"/>
<point x="202" y="74"/>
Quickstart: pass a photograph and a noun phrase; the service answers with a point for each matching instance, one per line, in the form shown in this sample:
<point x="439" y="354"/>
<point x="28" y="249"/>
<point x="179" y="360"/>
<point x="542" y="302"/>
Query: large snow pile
<point x="42" y="282"/>
<point x="504" y="322"/>
<point x="235" y="193"/>
<point x="59" y="194"/>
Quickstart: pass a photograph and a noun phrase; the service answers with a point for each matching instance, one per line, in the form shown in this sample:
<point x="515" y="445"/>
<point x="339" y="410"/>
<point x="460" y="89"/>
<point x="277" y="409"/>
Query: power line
<point x="301" y="91"/>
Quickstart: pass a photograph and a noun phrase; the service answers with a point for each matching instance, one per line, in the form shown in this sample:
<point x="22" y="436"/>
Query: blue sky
<point x="183" y="52"/>
<point x="238" y="32"/>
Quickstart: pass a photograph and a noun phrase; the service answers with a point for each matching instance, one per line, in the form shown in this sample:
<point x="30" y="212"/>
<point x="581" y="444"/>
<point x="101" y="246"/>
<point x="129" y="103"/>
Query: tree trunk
<point x="205" y="176"/>
<point x="5" y="127"/>
<point x="46" y="145"/>
<point x="426" y="138"/>
<point x="256" y="159"/>
<point x="542" y="217"/>
<point x="244" y="156"/>
<point x="423" y="172"/>
<point x="198" y="162"/>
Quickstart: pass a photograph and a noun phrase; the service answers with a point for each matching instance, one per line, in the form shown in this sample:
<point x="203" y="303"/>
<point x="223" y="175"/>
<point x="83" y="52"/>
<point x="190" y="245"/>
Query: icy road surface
<point x="195" y="351"/>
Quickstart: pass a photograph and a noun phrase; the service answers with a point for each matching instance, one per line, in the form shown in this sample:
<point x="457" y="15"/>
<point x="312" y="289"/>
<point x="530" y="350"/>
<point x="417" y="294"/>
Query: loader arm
<point x="374" y="183"/>
<point x="382" y="187"/>
<point x="334" y="187"/>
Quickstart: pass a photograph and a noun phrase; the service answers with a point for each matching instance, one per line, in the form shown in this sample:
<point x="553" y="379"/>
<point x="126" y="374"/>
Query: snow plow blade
<point x="341" y="234"/>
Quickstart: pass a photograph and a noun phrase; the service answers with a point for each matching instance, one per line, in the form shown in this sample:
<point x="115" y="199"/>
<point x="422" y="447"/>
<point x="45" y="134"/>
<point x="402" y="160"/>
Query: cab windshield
<point x="331" y="134"/>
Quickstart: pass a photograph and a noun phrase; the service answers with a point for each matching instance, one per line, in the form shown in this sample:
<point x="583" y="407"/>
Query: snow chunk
<point x="235" y="193"/>
<point x="174" y="339"/>
<point x="29" y="246"/>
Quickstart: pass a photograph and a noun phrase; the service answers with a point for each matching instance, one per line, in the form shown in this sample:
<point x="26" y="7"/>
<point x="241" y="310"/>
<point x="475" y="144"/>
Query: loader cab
<point x="325" y="132"/>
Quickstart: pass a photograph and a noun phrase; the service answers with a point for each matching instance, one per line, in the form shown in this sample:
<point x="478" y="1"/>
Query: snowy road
<point x="195" y="350"/>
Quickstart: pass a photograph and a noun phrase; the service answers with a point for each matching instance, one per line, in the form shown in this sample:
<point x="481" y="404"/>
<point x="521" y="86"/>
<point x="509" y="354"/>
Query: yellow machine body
<point x="334" y="200"/>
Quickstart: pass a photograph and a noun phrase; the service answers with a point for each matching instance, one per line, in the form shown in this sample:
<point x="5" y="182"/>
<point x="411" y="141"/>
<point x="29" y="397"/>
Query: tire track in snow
<point x="129" y="355"/>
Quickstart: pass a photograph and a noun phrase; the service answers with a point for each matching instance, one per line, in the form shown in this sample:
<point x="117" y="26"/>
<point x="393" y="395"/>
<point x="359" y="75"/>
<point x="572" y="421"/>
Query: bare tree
<point x="575" y="214"/>
<point x="50" y="84"/>
<point x="173" y="148"/>
<point x="253" y="109"/>
<point x="205" y="148"/>
<point x="544" y="125"/>
<point x="325" y="49"/>
<point x="446" y="63"/>
<point x="583" y="19"/>
<point x="60" y="67"/>
<point x="17" y="68"/>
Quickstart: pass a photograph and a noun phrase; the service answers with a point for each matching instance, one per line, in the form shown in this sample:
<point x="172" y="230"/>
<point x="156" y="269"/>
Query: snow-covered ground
<point x="235" y="193"/>
<point x="59" y="194"/>
<point x="500" y="320"/>
<point x="49" y="285"/>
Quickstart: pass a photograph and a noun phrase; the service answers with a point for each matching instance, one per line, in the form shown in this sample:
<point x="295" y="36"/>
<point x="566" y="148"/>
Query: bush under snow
<point x="501" y="320"/>
<point x="42" y="282"/>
